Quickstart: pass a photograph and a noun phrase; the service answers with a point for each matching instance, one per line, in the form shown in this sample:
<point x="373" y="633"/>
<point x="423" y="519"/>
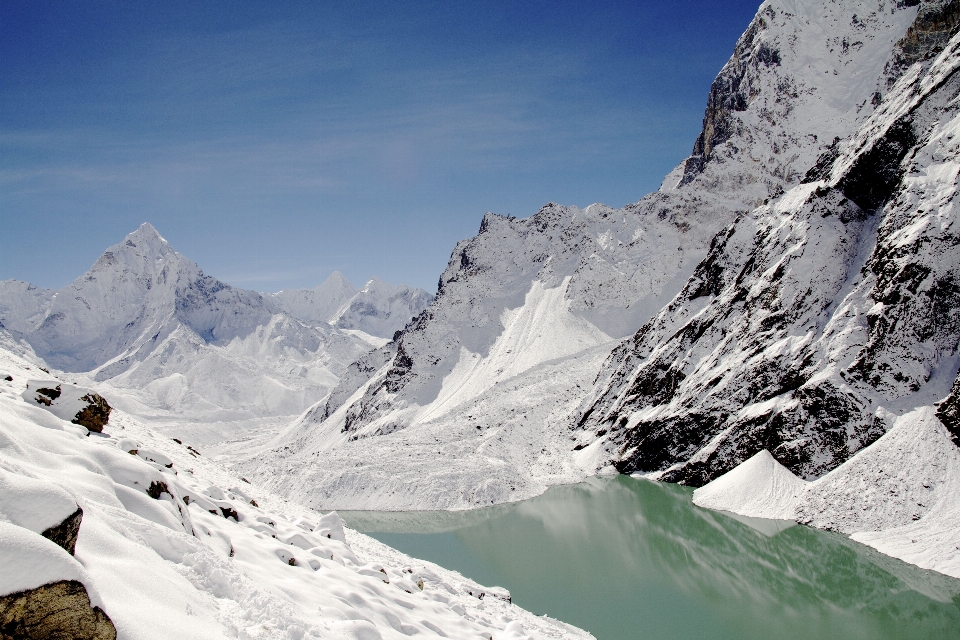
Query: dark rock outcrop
<point x="65" y="534"/>
<point x="56" y="611"/>
<point x="95" y="415"/>
<point x="949" y="412"/>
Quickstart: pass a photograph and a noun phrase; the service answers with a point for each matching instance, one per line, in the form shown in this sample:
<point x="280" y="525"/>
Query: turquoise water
<point x="625" y="558"/>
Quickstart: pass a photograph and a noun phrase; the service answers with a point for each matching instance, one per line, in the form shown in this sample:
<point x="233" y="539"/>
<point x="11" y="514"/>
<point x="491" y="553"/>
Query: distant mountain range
<point x="146" y="318"/>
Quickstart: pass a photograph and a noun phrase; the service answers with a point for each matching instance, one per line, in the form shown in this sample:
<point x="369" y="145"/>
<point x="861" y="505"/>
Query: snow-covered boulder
<point x="44" y="592"/>
<point x="69" y="402"/>
<point x="40" y="506"/>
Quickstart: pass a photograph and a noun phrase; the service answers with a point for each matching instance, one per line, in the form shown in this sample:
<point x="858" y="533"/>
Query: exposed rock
<point x="156" y="488"/>
<point x="811" y="316"/>
<point x="65" y="534"/>
<point x="949" y="412"/>
<point x="95" y="415"/>
<point x="56" y="611"/>
<point x="230" y="512"/>
<point x="47" y="396"/>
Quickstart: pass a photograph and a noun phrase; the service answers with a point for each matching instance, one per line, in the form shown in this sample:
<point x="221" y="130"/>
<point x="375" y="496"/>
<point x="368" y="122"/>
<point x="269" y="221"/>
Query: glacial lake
<point x="626" y="558"/>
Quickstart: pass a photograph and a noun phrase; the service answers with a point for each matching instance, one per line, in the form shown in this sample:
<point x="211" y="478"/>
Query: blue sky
<point x="276" y="142"/>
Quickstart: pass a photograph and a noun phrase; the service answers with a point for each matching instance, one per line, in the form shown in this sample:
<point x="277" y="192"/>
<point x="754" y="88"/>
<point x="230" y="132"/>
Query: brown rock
<point x="95" y="415"/>
<point x="56" y="611"/>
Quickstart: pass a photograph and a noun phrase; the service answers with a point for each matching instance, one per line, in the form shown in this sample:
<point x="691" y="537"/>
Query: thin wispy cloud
<point x="362" y="129"/>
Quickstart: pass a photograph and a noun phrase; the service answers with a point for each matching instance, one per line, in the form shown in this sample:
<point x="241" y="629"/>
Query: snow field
<point x="508" y="443"/>
<point x="172" y="545"/>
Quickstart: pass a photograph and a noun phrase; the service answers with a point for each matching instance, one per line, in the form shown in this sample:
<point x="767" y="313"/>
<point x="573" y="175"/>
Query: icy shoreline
<point x="900" y="495"/>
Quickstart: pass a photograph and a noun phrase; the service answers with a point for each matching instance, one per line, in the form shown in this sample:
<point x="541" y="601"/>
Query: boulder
<point x="68" y="402"/>
<point x="56" y="611"/>
<point x="65" y="534"/>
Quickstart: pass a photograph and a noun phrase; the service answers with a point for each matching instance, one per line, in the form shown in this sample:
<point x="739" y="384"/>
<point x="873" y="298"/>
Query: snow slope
<point x="563" y="282"/>
<point x="818" y="318"/>
<point x="22" y="305"/>
<point x="900" y="495"/>
<point x="172" y="546"/>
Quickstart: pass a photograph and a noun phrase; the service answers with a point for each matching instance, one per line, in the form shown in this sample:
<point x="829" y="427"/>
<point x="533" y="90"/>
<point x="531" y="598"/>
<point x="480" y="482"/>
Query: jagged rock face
<point x="65" y="534"/>
<point x="812" y="320"/>
<point x="949" y="412"/>
<point x="56" y="611"/>
<point x="771" y="113"/>
<point x="800" y="75"/>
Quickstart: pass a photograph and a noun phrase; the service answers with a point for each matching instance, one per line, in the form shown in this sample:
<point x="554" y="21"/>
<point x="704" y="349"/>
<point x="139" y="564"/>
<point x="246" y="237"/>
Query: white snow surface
<point x="30" y="561"/>
<point x="900" y="495"/>
<point x="33" y="504"/>
<point x="205" y="554"/>
<point x="759" y="485"/>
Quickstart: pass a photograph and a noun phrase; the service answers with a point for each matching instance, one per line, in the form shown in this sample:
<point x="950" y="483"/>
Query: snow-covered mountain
<point x="22" y="305"/>
<point x="146" y="318"/>
<point x="379" y="309"/>
<point x="528" y="304"/>
<point x="319" y="304"/>
<point x="818" y="318"/>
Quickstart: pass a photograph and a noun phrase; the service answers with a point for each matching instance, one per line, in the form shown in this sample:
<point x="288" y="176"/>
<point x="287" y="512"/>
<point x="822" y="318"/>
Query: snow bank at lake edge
<point x="900" y="495"/>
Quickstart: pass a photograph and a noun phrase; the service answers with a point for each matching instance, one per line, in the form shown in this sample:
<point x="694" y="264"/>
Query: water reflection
<point x="628" y="558"/>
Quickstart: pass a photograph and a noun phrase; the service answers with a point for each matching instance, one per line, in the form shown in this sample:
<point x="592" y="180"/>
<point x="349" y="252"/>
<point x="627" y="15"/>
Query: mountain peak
<point x="146" y="233"/>
<point x="337" y="278"/>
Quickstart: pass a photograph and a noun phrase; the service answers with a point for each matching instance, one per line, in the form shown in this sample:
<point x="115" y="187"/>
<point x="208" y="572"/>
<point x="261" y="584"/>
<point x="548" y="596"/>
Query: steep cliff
<point x="818" y="318"/>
